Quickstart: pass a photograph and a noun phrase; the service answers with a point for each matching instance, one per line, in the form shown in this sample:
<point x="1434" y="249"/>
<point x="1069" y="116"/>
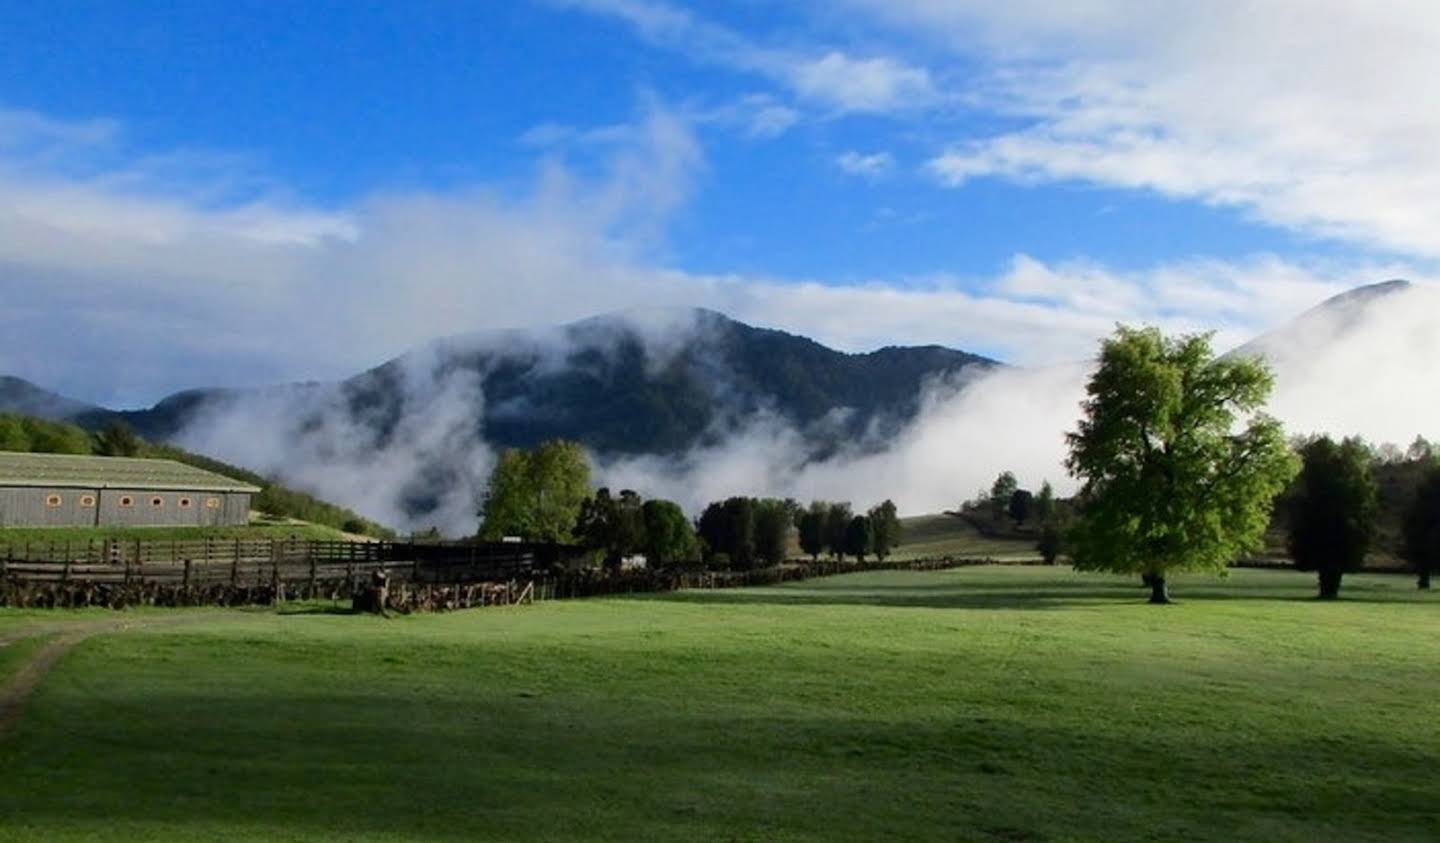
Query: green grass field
<point x="929" y="536"/>
<point x="1000" y="704"/>
<point x="80" y="535"/>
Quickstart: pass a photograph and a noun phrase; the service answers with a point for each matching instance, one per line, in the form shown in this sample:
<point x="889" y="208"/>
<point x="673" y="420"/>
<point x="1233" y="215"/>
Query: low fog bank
<point x="433" y="459"/>
<point x="1365" y="367"/>
<point x="968" y="430"/>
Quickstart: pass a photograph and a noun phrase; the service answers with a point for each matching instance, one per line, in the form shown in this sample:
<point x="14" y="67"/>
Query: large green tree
<point x="837" y="521"/>
<point x="884" y="529"/>
<point x="772" y="530"/>
<point x="1001" y="491"/>
<point x="1171" y="481"/>
<point x="858" y="537"/>
<point x="811" y="526"/>
<point x="612" y="526"/>
<point x="669" y="538"/>
<point x="1332" y="511"/>
<point x="1422" y="527"/>
<point x="536" y="494"/>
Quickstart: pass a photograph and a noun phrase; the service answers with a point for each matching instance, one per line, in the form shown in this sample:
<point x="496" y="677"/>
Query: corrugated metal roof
<point x="21" y="469"/>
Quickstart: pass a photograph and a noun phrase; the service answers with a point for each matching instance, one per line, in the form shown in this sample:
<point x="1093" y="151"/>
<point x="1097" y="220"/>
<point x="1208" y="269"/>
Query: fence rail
<point x="420" y="576"/>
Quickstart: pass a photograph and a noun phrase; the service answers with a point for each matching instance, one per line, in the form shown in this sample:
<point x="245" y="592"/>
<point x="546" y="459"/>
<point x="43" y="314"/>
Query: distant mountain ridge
<point x="617" y="383"/>
<point x="690" y="393"/>
<point x="1334" y="317"/>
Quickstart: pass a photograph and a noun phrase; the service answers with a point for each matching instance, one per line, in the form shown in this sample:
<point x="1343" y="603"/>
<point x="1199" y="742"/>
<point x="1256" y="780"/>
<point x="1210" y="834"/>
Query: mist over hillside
<point x="691" y="405"/>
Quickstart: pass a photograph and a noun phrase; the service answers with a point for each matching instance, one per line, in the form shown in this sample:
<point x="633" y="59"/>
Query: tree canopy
<point x="1333" y="509"/>
<point x="837" y="521"/>
<point x="669" y="538"/>
<point x="884" y="529"/>
<point x="1168" y="482"/>
<point x="858" y="537"/>
<point x="1422" y="527"/>
<point x="612" y="526"/>
<point x="1045" y="503"/>
<point x="811" y="526"/>
<point x="772" y="530"/>
<point x="537" y="494"/>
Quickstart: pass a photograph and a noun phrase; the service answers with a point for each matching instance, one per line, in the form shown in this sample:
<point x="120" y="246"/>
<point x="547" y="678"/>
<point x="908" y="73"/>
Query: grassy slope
<point x="947" y="535"/>
<point x="986" y="704"/>
<point x="81" y="535"/>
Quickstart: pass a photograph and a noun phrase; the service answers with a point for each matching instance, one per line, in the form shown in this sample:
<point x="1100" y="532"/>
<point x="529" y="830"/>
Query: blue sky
<point x="1011" y="181"/>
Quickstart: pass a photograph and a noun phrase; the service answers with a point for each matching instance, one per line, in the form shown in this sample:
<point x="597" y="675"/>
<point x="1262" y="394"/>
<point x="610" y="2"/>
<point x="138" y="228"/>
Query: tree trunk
<point x="1147" y="580"/>
<point x="1425" y="579"/>
<point x="1330" y="584"/>
<point x="1158" y="594"/>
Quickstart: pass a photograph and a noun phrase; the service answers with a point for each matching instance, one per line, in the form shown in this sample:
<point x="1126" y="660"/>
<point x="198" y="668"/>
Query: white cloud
<point x="1306" y="116"/>
<point x="870" y="84"/>
<point x="162" y="290"/>
<point x="158" y="291"/>
<point x="831" y="78"/>
<point x="119" y="292"/>
<point x="872" y="166"/>
<point x="772" y="120"/>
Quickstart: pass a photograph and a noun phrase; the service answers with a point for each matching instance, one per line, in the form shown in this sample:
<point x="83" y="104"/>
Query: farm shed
<point x="60" y="490"/>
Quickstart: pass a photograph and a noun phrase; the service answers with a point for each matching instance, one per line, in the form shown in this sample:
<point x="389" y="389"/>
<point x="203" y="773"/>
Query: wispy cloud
<point x="872" y="166"/>
<point x="162" y="289"/>
<point x="829" y="78"/>
<point x="1308" y="121"/>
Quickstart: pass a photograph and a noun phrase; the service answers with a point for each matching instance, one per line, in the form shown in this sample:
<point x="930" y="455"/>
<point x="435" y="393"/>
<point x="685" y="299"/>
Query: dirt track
<point x="16" y="690"/>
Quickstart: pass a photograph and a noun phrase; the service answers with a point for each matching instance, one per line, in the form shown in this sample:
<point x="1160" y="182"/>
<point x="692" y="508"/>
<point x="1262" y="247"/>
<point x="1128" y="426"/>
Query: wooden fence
<point x="421" y="576"/>
<point x="242" y="571"/>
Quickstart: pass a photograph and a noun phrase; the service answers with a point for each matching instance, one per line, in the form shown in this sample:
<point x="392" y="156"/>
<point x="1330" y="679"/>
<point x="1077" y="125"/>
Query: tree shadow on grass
<point x="317" y="610"/>
<point x="1060" y="592"/>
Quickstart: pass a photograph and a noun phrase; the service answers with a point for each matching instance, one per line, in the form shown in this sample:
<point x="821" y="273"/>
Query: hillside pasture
<point x="79" y="536"/>
<point x="944" y="535"/>
<point x="990" y="704"/>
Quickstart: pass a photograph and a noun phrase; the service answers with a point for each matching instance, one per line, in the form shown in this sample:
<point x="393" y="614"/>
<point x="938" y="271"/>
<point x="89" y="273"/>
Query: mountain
<point x="27" y="399"/>
<point x="1334" y="320"/>
<point x="689" y="404"/>
<point x="657" y="382"/>
<point x="1362" y="362"/>
<point x="410" y="441"/>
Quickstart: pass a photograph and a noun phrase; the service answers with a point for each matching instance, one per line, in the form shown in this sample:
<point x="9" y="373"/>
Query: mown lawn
<point x="1006" y="704"/>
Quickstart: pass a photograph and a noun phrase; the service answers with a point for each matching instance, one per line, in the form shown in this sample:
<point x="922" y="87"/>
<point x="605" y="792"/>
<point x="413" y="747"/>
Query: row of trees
<point x="1006" y="501"/>
<point x="543" y="495"/>
<point x="832" y="528"/>
<point x="1333" y="511"/>
<point x="1180" y="470"/>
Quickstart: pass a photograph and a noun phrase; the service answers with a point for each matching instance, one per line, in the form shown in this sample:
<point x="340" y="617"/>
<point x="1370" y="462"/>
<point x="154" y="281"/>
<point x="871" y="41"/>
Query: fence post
<point x="312" y="576"/>
<point x="275" y="573"/>
<point x="187" y="573"/>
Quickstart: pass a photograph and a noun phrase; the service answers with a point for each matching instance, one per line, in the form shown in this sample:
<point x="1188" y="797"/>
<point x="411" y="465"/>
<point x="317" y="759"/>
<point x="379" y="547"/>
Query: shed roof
<point x="22" y="469"/>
